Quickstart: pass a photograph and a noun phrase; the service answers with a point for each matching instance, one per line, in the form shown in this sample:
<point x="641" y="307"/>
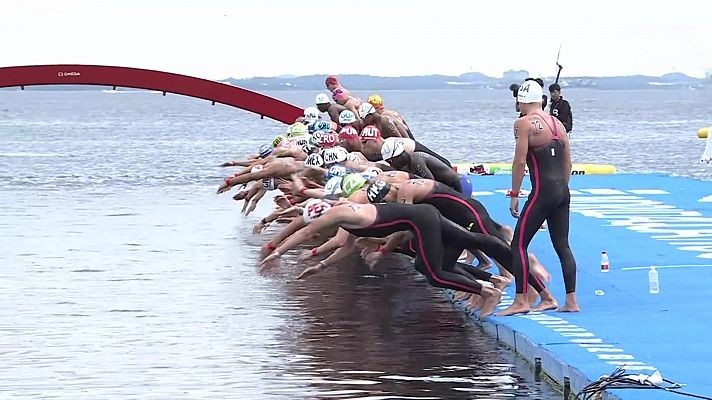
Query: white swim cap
<point x="269" y="183"/>
<point x="334" y="155"/>
<point x="354" y="157"/>
<point x="311" y="113"/>
<point x="314" y="160"/>
<point x="314" y="208"/>
<point x="333" y="186"/>
<point x="372" y="172"/>
<point x="392" y="148"/>
<point x="530" y="92"/>
<point x="347" y="117"/>
<point x="322" y="98"/>
<point x="366" y="109"/>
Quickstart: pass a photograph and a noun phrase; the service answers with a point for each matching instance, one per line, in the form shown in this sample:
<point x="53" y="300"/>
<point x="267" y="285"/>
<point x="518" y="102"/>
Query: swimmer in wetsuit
<point x="373" y="140"/>
<point x="393" y="151"/>
<point x="464" y="211"/>
<point x="440" y="241"/>
<point x="543" y="146"/>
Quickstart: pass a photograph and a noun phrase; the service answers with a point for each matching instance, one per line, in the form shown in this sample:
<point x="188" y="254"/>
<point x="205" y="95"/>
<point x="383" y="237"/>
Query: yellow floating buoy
<point x="703" y="132"/>
<point x="506" y="168"/>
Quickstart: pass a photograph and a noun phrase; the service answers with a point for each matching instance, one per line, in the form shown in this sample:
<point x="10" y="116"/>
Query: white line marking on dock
<point x="648" y="191"/>
<point x="603" y="191"/>
<point x="667" y="266"/>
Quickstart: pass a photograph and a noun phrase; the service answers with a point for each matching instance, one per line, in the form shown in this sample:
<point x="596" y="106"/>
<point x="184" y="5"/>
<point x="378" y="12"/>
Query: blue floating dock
<point x="640" y="220"/>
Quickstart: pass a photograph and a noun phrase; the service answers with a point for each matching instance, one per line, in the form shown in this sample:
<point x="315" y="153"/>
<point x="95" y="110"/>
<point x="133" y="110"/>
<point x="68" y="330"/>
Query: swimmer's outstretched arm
<point x="393" y="242"/>
<point x="256" y="199"/>
<point x="336" y="256"/>
<point x="312" y="231"/>
<point x="330" y="245"/>
<point x="275" y="214"/>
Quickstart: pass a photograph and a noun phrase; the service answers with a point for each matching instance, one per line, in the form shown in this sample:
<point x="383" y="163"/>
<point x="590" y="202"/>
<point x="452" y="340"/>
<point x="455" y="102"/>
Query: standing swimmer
<point x="543" y="146"/>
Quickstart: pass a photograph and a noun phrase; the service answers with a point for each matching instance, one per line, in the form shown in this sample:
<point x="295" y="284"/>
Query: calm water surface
<point x="124" y="275"/>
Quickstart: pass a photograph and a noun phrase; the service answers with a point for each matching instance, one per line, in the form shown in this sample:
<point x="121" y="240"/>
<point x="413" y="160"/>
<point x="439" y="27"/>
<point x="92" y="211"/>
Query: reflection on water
<point x="154" y="293"/>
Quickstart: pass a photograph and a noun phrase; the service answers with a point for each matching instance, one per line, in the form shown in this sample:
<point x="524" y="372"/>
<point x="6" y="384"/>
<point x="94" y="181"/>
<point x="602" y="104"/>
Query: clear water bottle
<point x="604" y="262"/>
<point x="653" y="280"/>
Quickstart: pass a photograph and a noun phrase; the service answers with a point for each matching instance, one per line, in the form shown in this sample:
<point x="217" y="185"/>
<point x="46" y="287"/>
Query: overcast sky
<point x="217" y="39"/>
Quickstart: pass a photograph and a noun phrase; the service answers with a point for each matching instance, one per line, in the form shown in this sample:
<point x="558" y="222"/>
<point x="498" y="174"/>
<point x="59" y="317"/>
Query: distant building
<point x="515" y="76"/>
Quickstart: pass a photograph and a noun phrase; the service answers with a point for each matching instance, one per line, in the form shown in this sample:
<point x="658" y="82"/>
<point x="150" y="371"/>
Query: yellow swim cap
<point x="376" y="101"/>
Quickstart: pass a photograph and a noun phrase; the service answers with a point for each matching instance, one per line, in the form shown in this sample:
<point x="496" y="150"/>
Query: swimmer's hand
<point x="311" y="271"/>
<point x="224" y="187"/>
<point x="305" y="255"/>
<point x="274" y="256"/>
<point x="373" y="258"/>
<point x="251" y="208"/>
<point x="259" y="226"/>
<point x="228" y="164"/>
<point x="514" y="207"/>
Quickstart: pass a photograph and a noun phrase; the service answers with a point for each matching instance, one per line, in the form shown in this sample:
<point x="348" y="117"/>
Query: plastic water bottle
<point x="653" y="281"/>
<point x="604" y="262"/>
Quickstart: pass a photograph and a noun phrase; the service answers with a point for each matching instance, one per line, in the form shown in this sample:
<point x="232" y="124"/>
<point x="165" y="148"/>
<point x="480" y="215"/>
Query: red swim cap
<point x="348" y="133"/>
<point x="371" y="132"/>
<point x="331" y="80"/>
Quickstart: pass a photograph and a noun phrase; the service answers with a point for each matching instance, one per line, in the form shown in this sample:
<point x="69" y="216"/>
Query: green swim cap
<point x="297" y="129"/>
<point x="352" y="183"/>
<point x="277" y="140"/>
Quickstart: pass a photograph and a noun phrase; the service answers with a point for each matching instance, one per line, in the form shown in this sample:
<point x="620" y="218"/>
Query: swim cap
<point x="311" y="113"/>
<point x="265" y="150"/>
<point x="530" y="92"/>
<point x="328" y="139"/>
<point x="347" y="117"/>
<point x="348" y="133"/>
<point x="322" y="98"/>
<point x="370" y="132"/>
<point x="314" y="160"/>
<point x="278" y="140"/>
<point x="466" y="185"/>
<point x="297" y="129"/>
<point x="336" y="170"/>
<point x="371" y="172"/>
<point x="377" y="191"/>
<point x="391" y="149"/>
<point x="376" y="101"/>
<point x="352" y="183"/>
<point x="333" y="186"/>
<point x="322" y="125"/>
<point x="269" y="183"/>
<point x="314" y="208"/>
<point x="337" y="94"/>
<point x="331" y="80"/>
<point x="317" y="135"/>
<point x="354" y="157"/>
<point x="334" y="155"/>
<point x="366" y="109"/>
<point x="256" y="168"/>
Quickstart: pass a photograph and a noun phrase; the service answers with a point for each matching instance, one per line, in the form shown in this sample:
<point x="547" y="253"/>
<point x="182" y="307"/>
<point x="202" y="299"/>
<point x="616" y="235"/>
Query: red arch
<point x="68" y="74"/>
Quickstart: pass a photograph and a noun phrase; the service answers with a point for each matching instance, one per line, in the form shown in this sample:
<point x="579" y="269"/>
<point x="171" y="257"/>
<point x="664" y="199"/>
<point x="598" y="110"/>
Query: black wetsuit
<point x="420" y="148"/>
<point x="472" y="215"/>
<point x="409" y="249"/>
<point x="437" y="240"/>
<point x="429" y="167"/>
<point x="549" y="200"/>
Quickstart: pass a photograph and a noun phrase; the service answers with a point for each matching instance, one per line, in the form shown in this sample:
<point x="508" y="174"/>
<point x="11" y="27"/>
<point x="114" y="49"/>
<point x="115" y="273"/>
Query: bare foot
<point x="570" y="305"/>
<point x="569" y="308"/>
<point x="519" y="306"/>
<point x="546" y="305"/>
<point x="475" y="302"/>
<point x="462" y="296"/>
<point x="491" y="297"/>
<point x="500" y="282"/>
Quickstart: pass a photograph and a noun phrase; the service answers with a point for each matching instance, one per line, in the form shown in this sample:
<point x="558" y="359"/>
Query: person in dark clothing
<point x="560" y="108"/>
